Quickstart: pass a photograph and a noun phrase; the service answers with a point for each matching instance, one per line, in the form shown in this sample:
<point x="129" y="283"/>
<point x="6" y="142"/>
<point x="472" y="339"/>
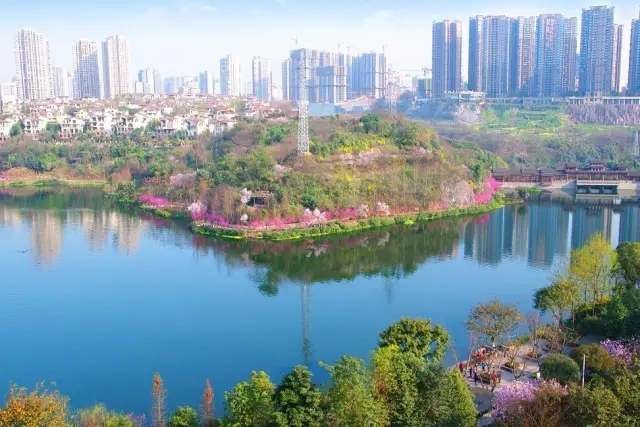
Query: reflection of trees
<point x="389" y="253"/>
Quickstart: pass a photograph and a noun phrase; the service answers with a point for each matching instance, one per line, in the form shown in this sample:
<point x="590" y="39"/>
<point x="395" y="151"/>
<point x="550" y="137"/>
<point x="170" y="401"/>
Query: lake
<point x="97" y="299"/>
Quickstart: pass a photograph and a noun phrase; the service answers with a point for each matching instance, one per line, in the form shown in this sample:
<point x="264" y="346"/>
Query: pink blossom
<point x="623" y="351"/>
<point x="153" y="201"/>
<point x="509" y="399"/>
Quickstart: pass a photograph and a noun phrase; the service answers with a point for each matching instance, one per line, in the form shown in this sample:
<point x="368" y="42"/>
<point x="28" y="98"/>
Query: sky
<point x="182" y="37"/>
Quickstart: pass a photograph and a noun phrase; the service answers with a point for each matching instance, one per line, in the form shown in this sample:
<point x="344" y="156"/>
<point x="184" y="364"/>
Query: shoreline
<point x="51" y="182"/>
<point x="329" y="228"/>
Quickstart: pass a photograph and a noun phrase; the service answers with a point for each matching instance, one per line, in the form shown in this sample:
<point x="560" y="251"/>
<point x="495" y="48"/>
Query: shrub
<point x="560" y="368"/>
<point x="597" y="359"/>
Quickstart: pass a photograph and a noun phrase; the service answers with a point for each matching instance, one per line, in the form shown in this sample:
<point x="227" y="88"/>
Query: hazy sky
<point x="180" y="37"/>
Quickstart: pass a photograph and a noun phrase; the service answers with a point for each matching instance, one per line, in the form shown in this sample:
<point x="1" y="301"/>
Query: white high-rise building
<point x="261" y="78"/>
<point x="116" y="63"/>
<point x="86" y="71"/>
<point x="33" y="65"/>
<point x="230" y="77"/>
<point x="61" y="87"/>
<point x="8" y="95"/>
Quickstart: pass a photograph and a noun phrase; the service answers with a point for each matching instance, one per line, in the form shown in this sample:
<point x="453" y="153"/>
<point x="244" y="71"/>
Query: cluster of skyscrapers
<point x="37" y="79"/>
<point x="536" y="56"/>
<point x="334" y="77"/>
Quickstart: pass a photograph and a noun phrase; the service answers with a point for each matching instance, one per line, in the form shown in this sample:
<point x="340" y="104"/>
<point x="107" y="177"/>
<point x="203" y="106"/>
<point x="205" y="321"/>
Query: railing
<point x="588" y="182"/>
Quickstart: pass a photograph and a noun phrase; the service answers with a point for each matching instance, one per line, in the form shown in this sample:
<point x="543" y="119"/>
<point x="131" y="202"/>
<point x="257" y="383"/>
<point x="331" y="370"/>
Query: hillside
<point x="542" y="137"/>
<point x="253" y="174"/>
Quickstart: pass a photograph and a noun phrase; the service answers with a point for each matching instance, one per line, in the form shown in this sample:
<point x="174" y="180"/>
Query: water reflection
<point x="538" y="232"/>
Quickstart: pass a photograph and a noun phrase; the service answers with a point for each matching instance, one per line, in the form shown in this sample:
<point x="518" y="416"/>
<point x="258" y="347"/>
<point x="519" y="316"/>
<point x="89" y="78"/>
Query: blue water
<point x="103" y="299"/>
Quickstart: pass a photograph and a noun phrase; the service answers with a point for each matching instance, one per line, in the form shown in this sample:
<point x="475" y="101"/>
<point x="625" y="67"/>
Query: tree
<point x="97" y="415"/>
<point x="207" y="409"/>
<point x="445" y="399"/>
<point x="596" y="358"/>
<point x="158" y="394"/>
<point x="557" y="298"/>
<point x="250" y="404"/>
<point x="39" y="408"/>
<point x="17" y="129"/>
<point x="591" y="267"/>
<point x="350" y="399"/>
<point x="184" y="416"/>
<point x="297" y="400"/>
<point x="560" y="368"/>
<point x="396" y="380"/>
<point x="493" y="320"/>
<point x="370" y="123"/>
<point x="416" y="336"/>
<point x="119" y="420"/>
<point x="628" y="255"/>
<point x="597" y="407"/>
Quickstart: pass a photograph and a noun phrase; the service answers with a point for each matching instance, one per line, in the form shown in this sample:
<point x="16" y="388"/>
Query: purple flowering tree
<point x="531" y="400"/>
<point x="153" y="201"/>
<point x="623" y="351"/>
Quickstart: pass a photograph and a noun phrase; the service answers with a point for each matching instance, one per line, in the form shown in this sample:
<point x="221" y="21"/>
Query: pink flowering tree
<point x="197" y="211"/>
<point x="519" y="402"/>
<point x="153" y="201"/>
<point x="491" y="188"/>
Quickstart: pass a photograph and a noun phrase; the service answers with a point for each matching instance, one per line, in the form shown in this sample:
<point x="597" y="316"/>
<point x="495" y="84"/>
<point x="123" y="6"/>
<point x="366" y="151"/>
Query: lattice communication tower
<point x="303" y="103"/>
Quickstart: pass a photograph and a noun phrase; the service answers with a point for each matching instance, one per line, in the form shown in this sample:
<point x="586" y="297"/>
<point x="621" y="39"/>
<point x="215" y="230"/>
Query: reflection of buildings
<point x="629" y="225"/>
<point x="47" y="227"/>
<point x="544" y="232"/>
<point x="46" y="235"/>
<point x="126" y="232"/>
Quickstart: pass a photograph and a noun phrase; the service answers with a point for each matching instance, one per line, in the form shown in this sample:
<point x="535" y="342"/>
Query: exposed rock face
<point x="465" y="113"/>
<point x="608" y="115"/>
<point x="458" y="194"/>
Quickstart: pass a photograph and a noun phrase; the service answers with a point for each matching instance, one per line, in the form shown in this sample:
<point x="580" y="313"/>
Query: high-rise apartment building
<point x="261" y="78"/>
<point x="286" y="79"/>
<point x="8" y="95"/>
<point x="33" y="65"/>
<point x="596" y="50"/>
<point x="476" y="66"/>
<point x="549" y="54"/>
<point x="617" y="57"/>
<point x="332" y="83"/>
<point x="369" y="75"/>
<point x="496" y="34"/>
<point x="230" y="77"/>
<point x="303" y="64"/>
<point x="569" y="56"/>
<point x="61" y="84"/>
<point x="116" y="63"/>
<point x="206" y="83"/>
<point x="633" y="84"/>
<point x="86" y="70"/>
<point x="522" y="55"/>
<point x="147" y="80"/>
<point x="446" y="57"/>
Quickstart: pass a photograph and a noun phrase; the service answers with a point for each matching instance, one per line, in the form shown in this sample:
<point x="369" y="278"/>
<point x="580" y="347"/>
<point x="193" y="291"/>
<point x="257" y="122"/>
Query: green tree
<point x="591" y="267"/>
<point x="350" y="399"/>
<point x="297" y="400"/>
<point x="560" y="368"/>
<point x="596" y="358"/>
<point x="557" y="298"/>
<point x="397" y="378"/>
<point x="493" y="321"/>
<point x="184" y="416"/>
<point x="446" y="400"/>
<point x="597" y="407"/>
<point x="119" y="420"/>
<point x="250" y="404"/>
<point x="97" y="415"/>
<point x="370" y="123"/>
<point x="17" y="129"/>
<point x="628" y="255"/>
<point x="626" y="387"/>
<point x="417" y="336"/>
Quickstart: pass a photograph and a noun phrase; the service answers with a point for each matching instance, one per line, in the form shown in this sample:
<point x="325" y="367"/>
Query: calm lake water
<point x="96" y="299"/>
